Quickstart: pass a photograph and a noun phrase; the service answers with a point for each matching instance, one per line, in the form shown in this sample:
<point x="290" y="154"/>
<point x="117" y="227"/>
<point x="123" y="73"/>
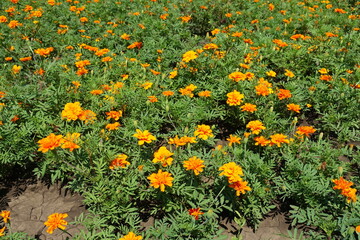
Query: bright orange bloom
<point x="188" y="90"/>
<point x="232" y="171"/>
<point x="262" y="141"/>
<point x="305" y="130"/>
<point x="131" y="236"/>
<point x="195" y="212"/>
<point x="181" y="141"/>
<point x="3" y="19"/>
<point x="160" y="179"/>
<point x="56" y="220"/>
<point x="210" y="46"/>
<point x="326" y="78"/>
<point x="152" y="99"/>
<point x="185" y="19"/>
<point x="87" y="116"/>
<point x="2" y="94"/>
<point x="125" y="36"/>
<point x="203" y="131"/>
<point x="345" y="187"/>
<point x="72" y="111"/>
<point x="5" y="215"/>
<point x="255" y="126"/>
<point x="263" y="88"/>
<point x="194" y="163"/>
<point x="289" y="73"/>
<point x="14" y="24"/>
<point x="173" y="74"/>
<point x="205" y="93"/>
<point x="16" y="69"/>
<point x="234" y="98"/>
<point x="112" y="126"/>
<point x="119" y="161"/>
<point x="277" y="139"/>
<point x="114" y="115"/>
<point x="25" y="59"/>
<point x="135" y="45"/>
<point x="293" y="107"/>
<point x="50" y="142"/>
<point x="167" y="93"/>
<point x="2" y="230"/>
<point x="248" y="107"/>
<point x="96" y="92"/>
<point x="144" y="137"/>
<point x="233" y="139"/>
<point x="44" y="51"/>
<point x="188" y="56"/>
<point x="280" y="43"/>
<point x="240" y="187"/>
<point x="284" y="93"/>
<point x="70" y="141"/>
<point x="357" y="228"/>
<point x="237" y="76"/>
<point x="163" y="156"/>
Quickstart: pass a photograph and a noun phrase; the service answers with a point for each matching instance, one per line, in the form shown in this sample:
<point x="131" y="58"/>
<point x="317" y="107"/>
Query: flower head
<point x="233" y="139"/>
<point x="203" y="131"/>
<point x="240" y="187"/>
<point x="71" y="111"/>
<point x="232" y="171"/>
<point x="70" y="141"/>
<point x="144" y="136"/>
<point x="160" y="179"/>
<point x="195" y="212"/>
<point x="248" y="107"/>
<point x="190" y="55"/>
<point x="56" y="220"/>
<point x="237" y="76"/>
<point x="131" y="236"/>
<point x="255" y="126"/>
<point x="50" y="142"/>
<point x="234" y="98"/>
<point x="293" y="107"/>
<point x="194" y="163"/>
<point x="345" y="187"/>
<point x="119" y="161"/>
<point x="278" y="139"/>
<point x="283" y="93"/>
<point x="163" y="156"/>
<point x="305" y="130"/>
<point x="5" y="215"/>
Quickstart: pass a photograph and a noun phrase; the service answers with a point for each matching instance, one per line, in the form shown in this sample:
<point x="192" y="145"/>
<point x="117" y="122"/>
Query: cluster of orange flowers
<point x="6" y="218"/>
<point x="53" y="141"/>
<point x="345" y="187"/>
<point x="233" y="172"/>
<point x="74" y="111"/>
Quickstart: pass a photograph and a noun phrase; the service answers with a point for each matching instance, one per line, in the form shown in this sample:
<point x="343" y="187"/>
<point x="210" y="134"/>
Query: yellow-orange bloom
<point x="50" y="142"/>
<point x="248" y="107"/>
<point x="2" y="230"/>
<point x="87" y="116"/>
<point x="283" y="94"/>
<point x="194" y="163"/>
<point x="203" y="131"/>
<point x="71" y="111"/>
<point x="345" y="187"/>
<point x="181" y="141"/>
<point x="294" y="107"/>
<point x="237" y="76"/>
<point x="195" y="212"/>
<point x="189" y="55"/>
<point x="114" y="115"/>
<point x="278" y="139"/>
<point x="289" y="73"/>
<point x="240" y="187"/>
<point x="233" y="139"/>
<point x="163" y="156"/>
<point x="234" y="98"/>
<point x="56" y="220"/>
<point x="5" y="215"/>
<point x="262" y="141"/>
<point x="16" y="69"/>
<point x="232" y="171"/>
<point x="44" y="51"/>
<point x="305" y="130"/>
<point x="144" y="136"/>
<point x="131" y="236"/>
<point x="160" y="179"/>
<point x="188" y="90"/>
<point x="112" y="126"/>
<point x="205" y="93"/>
<point x="119" y="161"/>
<point x="255" y="126"/>
<point x="70" y="141"/>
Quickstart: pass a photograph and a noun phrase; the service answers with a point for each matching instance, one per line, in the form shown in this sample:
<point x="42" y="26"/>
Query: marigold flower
<point x="125" y="36"/>
<point x="188" y="56"/>
<point x="240" y="187"/>
<point x="70" y="141"/>
<point x="345" y="187"/>
<point x="50" y="142"/>
<point x="87" y="116"/>
<point x="16" y="69"/>
<point x="195" y="212"/>
<point x="248" y="107"/>
<point x="203" y="131"/>
<point x="25" y="59"/>
<point x="56" y="220"/>
<point x="234" y="98"/>
<point x="72" y="111"/>
<point x="262" y="141"/>
<point x="160" y="179"/>
<point x="185" y="19"/>
<point x="205" y="93"/>
<point x="278" y="139"/>
<point x="305" y="130"/>
<point x="255" y="126"/>
<point x="3" y="19"/>
<point x="112" y="126"/>
<point x="96" y="92"/>
<point x="119" y="161"/>
<point x="114" y="115"/>
<point x="326" y="78"/>
<point x="131" y="236"/>
<point x="210" y="46"/>
<point x="44" y="51"/>
<point x="263" y="88"/>
<point x="144" y="136"/>
<point x="194" y="163"/>
<point x="5" y="215"/>
<point x="233" y="139"/>
<point x="14" y="24"/>
<point x="289" y="73"/>
<point x="168" y="93"/>
<point x="173" y="74"/>
<point x="232" y="171"/>
<point x="163" y="156"/>
<point x="237" y="34"/>
<point x="188" y="90"/>
<point x="357" y="228"/>
<point x="293" y="107"/>
<point x="135" y="45"/>
<point x="283" y="94"/>
<point x="237" y="76"/>
<point x="181" y="141"/>
<point x="152" y="99"/>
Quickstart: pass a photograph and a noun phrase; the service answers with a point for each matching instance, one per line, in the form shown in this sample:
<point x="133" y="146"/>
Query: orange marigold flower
<point x="263" y="88"/>
<point x="5" y="215"/>
<point x="234" y="98"/>
<point x="163" y="156"/>
<point x="96" y="92"/>
<point x="232" y="171"/>
<point x="237" y="34"/>
<point x="2" y="94"/>
<point x="280" y="43"/>
<point x="248" y="107"/>
<point x="50" y="142"/>
<point x="293" y="107"/>
<point x="173" y="74"/>
<point x="203" y="131"/>
<point x="185" y="19"/>
<point x="195" y="212"/>
<point x="345" y="187"/>
<point x="25" y="59"/>
<point x="233" y="139"/>
<point x="188" y="90"/>
<point x="125" y="36"/>
<point x="357" y="228"/>
<point x="160" y="179"/>
<point x="131" y="236"/>
<point x="283" y="94"/>
<point x="114" y="115"/>
<point x="327" y="78"/>
<point x="168" y="93"/>
<point x="107" y="59"/>
<point x="181" y="141"/>
<point x="2" y="230"/>
<point x="262" y="141"/>
<point x="205" y="93"/>
<point x="119" y="161"/>
<point x="135" y="45"/>
<point x="255" y="126"/>
<point x="289" y="73"/>
<point x="237" y="76"/>
<point x="16" y="69"/>
<point x="3" y="19"/>
<point x="240" y="187"/>
<point x="194" y="163"/>
<point x="210" y="46"/>
<point x="144" y="136"/>
<point x="305" y="130"/>
<point x="56" y="220"/>
<point x="70" y="141"/>
<point x="152" y="99"/>
<point x="82" y="64"/>
<point x="112" y="126"/>
<point x="189" y="55"/>
<point x="44" y="51"/>
<point x="71" y="111"/>
<point x="87" y="116"/>
<point x="14" y="24"/>
<point x="278" y="139"/>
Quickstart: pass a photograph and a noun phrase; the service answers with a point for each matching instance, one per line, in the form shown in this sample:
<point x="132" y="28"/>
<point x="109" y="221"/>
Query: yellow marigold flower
<point x="70" y="141"/>
<point x="125" y="36"/>
<point x="112" y="126"/>
<point x="195" y="212"/>
<point x="248" y="107"/>
<point x="50" y="142"/>
<point x="146" y="85"/>
<point x="160" y="179"/>
<point x="188" y="56"/>
<point x="210" y="46"/>
<point x="237" y="76"/>
<point x="119" y="161"/>
<point x="283" y="94"/>
<point x="72" y="111"/>
<point x="188" y="90"/>
<point x="278" y="139"/>
<point x="203" y="131"/>
<point x="5" y="215"/>
<point x="16" y="69"/>
<point x="144" y="136"/>
<point x="323" y="71"/>
<point x="240" y="187"/>
<point x="262" y="141"/>
<point x="293" y="107"/>
<point x="114" y="115"/>
<point x="305" y="130"/>
<point x="163" y="156"/>
<point x="232" y="171"/>
<point x="289" y="73"/>
<point x="255" y="126"/>
<point x="131" y="236"/>
<point x="87" y="116"/>
<point x="181" y="141"/>
<point x="233" y="139"/>
<point x="167" y="93"/>
<point x="234" y="98"/>
<point x="56" y="220"/>
<point x="271" y="73"/>
<point x="194" y="163"/>
<point x="173" y="74"/>
<point x="44" y="51"/>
